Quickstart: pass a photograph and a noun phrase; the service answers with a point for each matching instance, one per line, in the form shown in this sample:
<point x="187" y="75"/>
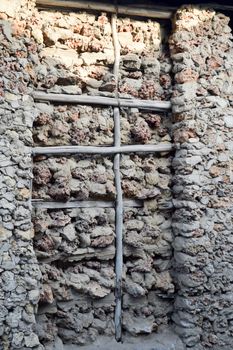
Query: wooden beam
<point x="61" y="150"/>
<point x="156" y="11"/>
<point x="105" y="101"/>
<point x="41" y="204"/>
<point x="119" y="248"/>
<point x="119" y="194"/>
<point x="151" y="12"/>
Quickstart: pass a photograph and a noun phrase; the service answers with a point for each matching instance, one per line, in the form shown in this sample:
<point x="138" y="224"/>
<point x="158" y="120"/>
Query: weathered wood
<point x="152" y="12"/>
<point x="116" y="50"/>
<point x="61" y="150"/>
<point x="119" y="195"/>
<point x="41" y="204"/>
<point x="155" y="11"/>
<point x="104" y="101"/>
<point x="119" y="249"/>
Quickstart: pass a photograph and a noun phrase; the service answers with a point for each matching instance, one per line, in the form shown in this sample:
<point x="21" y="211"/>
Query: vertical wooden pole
<point x="119" y="197"/>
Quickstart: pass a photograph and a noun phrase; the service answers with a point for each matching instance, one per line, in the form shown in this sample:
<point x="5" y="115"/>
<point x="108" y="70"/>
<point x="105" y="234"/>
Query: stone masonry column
<point x="201" y="50"/>
<point x="19" y="272"/>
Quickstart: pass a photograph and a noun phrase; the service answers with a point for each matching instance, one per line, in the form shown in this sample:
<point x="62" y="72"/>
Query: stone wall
<point x="19" y="271"/>
<point x="76" y="248"/>
<point x="67" y="280"/>
<point x="57" y="274"/>
<point x="201" y="50"/>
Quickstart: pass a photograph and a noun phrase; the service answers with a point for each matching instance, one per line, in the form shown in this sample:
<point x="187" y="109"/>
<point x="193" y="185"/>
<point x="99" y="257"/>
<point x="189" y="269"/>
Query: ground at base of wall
<point x="164" y="340"/>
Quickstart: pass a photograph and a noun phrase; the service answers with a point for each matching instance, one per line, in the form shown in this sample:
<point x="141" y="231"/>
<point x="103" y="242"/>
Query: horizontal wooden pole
<point x="160" y="12"/>
<point x="40" y="204"/>
<point x="151" y="12"/>
<point x="105" y="101"/>
<point x="60" y="150"/>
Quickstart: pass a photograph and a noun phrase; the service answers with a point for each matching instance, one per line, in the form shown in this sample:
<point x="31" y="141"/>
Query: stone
<point x="134" y="289"/>
<point x="9" y="281"/>
<point x="56" y="345"/>
<point x="138" y="325"/>
<point x="46" y="295"/>
<point x="97" y="291"/>
<point x="69" y="232"/>
<point x="68" y="57"/>
<point x="94" y="83"/>
<point x="9" y="7"/>
<point x="217" y="101"/>
<point x="17" y="340"/>
<point x="152" y="178"/>
<point x="4" y="234"/>
<point x="101" y="231"/>
<point x="78" y="189"/>
<point x="134" y="225"/>
<point x="102" y="241"/>
<point x="109" y="86"/>
<point x="7" y="30"/>
<point x="25" y="235"/>
<point x="131" y="62"/>
<point x="31" y="340"/>
<point x="78" y="280"/>
<point x="71" y="90"/>
<point x="228" y="120"/>
<point x="148" y="193"/>
<point x="52" y="35"/>
<point x="37" y="35"/>
<point x="97" y="189"/>
<point x="24" y="193"/>
<point x="91" y="58"/>
<point x="125" y="38"/>
<point x="215" y="171"/>
<point x="13" y="318"/>
<point x="34" y="295"/>
<point x="11" y="97"/>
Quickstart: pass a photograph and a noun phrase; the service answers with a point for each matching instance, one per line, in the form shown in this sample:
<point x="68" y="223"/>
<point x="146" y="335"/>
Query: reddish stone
<point x="141" y="133"/>
<point x="153" y="120"/>
<point x="186" y="75"/>
<point x="43" y="119"/>
<point x="46" y="295"/>
<point x="214" y="62"/>
<point x="148" y="90"/>
<point x="125" y="88"/>
<point x="102" y="20"/>
<point x="45" y="244"/>
<point x="178" y="117"/>
<point x="60" y="191"/>
<point x="165" y="80"/>
<point x="77" y="136"/>
<point x="184" y="135"/>
<point x="215" y="171"/>
<point x="129" y="188"/>
<point x="135" y="75"/>
<point x="3" y="16"/>
<point x="102" y="241"/>
<point x="199" y="60"/>
<point x="18" y="28"/>
<point x="42" y="174"/>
